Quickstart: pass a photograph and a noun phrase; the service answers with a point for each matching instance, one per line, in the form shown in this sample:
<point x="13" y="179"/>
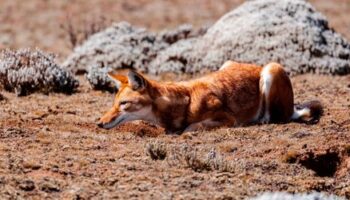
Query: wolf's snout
<point x="99" y="124"/>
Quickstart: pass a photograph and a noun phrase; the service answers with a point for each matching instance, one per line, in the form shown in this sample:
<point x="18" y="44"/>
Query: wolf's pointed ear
<point x="136" y="80"/>
<point x="118" y="79"/>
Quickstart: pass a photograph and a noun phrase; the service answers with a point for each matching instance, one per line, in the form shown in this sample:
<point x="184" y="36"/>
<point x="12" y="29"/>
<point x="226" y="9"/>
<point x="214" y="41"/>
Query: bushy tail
<point x="309" y="112"/>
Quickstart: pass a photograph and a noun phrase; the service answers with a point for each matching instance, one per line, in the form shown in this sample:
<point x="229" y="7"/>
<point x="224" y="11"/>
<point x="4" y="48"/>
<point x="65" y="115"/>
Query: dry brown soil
<point x="50" y="146"/>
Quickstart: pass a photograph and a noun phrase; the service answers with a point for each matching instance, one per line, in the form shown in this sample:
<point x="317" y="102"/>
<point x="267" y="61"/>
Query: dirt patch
<point x="323" y="164"/>
<point x="142" y="129"/>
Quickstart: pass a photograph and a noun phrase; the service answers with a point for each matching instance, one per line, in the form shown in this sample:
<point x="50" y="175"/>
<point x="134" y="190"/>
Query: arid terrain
<point x="50" y="146"/>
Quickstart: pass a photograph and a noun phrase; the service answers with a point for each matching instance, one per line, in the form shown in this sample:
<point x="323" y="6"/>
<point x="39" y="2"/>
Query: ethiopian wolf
<point x="238" y="94"/>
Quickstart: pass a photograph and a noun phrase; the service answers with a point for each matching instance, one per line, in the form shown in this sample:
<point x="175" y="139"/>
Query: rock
<point x="122" y="46"/>
<point x="119" y="46"/>
<point x="25" y="71"/>
<point x="291" y="32"/>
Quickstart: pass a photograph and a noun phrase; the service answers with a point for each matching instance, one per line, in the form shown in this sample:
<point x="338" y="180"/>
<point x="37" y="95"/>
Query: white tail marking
<point x="267" y="79"/>
<point x="300" y="113"/>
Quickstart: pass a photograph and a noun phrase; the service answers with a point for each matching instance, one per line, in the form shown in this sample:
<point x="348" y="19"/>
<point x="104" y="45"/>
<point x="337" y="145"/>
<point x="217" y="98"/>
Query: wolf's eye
<point x="124" y="102"/>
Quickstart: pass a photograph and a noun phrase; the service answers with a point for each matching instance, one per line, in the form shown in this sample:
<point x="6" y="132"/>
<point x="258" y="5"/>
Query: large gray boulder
<point x="290" y="32"/>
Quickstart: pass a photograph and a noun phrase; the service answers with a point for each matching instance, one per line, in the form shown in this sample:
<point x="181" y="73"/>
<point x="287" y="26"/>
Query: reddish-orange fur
<point x="228" y="97"/>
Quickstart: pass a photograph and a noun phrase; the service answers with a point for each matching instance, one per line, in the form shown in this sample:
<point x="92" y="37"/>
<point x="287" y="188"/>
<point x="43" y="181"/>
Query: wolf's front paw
<point x="194" y="127"/>
<point x="265" y="119"/>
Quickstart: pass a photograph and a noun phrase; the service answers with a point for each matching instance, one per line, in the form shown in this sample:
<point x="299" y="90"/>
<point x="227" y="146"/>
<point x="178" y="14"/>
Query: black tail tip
<point x="316" y="111"/>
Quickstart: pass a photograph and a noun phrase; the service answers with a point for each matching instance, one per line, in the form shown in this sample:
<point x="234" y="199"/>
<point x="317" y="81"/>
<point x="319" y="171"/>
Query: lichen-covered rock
<point x="123" y="46"/>
<point x="98" y="79"/>
<point x="291" y="32"/>
<point x="177" y="58"/>
<point x="119" y="46"/>
<point x="25" y="71"/>
<point x="287" y="196"/>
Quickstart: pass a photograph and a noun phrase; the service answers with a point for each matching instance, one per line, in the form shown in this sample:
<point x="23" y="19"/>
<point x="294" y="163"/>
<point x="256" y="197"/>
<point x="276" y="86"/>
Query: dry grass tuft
<point x="78" y="34"/>
<point x="193" y="159"/>
<point x="156" y="150"/>
<point x="196" y="162"/>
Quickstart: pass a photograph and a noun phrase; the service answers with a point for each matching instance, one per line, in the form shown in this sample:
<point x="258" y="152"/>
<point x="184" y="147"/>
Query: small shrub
<point x="188" y="157"/>
<point x="192" y="159"/>
<point x="99" y="80"/>
<point x="25" y="71"/>
<point x="156" y="150"/>
<point x="195" y="162"/>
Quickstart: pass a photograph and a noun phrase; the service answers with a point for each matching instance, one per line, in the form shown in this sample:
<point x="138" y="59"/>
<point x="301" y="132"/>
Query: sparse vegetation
<point x="26" y="71"/>
<point x="156" y="150"/>
<point x="194" y="159"/>
<point x="195" y="162"/>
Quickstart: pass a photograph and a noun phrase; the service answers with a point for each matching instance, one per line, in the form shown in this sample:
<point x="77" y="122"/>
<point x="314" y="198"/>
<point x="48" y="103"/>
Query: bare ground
<point x="50" y="147"/>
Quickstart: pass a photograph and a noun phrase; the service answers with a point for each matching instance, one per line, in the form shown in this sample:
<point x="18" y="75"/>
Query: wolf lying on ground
<point x="238" y="94"/>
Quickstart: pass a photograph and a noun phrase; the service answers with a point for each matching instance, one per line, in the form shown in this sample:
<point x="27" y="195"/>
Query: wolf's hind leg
<point x="277" y="94"/>
<point x="203" y="125"/>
